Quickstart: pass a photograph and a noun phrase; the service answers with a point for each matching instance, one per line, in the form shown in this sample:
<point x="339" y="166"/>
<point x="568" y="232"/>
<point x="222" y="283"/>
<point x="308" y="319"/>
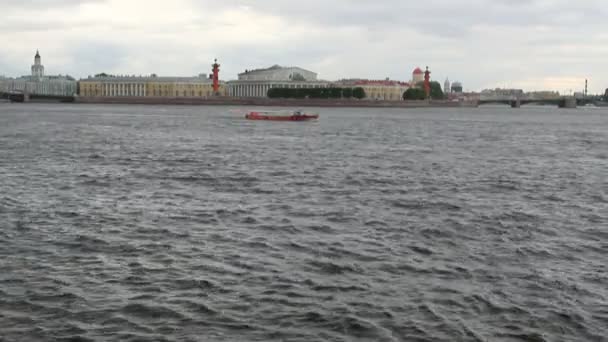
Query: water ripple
<point x="135" y="223"/>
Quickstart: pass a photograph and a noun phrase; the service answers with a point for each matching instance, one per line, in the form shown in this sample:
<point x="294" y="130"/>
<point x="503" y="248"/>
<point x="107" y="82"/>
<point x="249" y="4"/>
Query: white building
<point x="446" y="86"/>
<point x="38" y="68"/>
<point x="3" y="84"/>
<point x="52" y="85"/>
<point x="256" y="83"/>
<point x="501" y="94"/>
<point x="39" y="84"/>
<point x="456" y="87"/>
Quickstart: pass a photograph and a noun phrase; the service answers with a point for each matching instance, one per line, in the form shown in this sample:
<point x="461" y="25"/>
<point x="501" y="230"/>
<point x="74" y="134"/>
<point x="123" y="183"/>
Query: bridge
<point x="19" y="96"/>
<point x="516" y="102"/>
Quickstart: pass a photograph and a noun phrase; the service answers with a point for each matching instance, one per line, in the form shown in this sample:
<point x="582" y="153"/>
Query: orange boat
<point x="281" y="116"/>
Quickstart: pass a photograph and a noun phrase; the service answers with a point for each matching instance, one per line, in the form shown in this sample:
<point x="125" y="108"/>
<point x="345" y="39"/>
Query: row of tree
<point x="316" y="93"/>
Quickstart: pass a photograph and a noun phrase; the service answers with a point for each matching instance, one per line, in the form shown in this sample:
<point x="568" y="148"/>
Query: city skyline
<point x="533" y="45"/>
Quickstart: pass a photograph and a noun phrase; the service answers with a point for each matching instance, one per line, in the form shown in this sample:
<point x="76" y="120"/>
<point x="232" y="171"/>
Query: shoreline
<point x="266" y="102"/>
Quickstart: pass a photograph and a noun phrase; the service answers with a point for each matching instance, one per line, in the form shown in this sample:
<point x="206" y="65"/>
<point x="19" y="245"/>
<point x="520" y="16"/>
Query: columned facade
<point x="55" y="86"/>
<point x="113" y="86"/>
<point x="123" y="89"/>
<point x="257" y="83"/>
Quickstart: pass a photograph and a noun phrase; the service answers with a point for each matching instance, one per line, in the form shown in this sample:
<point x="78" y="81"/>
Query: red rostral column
<point x="216" y="77"/>
<point x="427" y="82"/>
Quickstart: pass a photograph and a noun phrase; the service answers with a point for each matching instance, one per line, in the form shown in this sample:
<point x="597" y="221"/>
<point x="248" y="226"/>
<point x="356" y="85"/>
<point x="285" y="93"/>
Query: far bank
<point x="266" y="102"/>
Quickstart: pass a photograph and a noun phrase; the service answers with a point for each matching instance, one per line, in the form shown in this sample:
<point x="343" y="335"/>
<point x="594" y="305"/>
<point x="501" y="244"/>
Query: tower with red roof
<point x="417" y="76"/>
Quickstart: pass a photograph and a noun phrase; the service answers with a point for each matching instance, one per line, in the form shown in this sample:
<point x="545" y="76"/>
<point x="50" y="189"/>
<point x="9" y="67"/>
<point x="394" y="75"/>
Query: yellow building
<point x="89" y="88"/>
<point x="149" y="86"/>
<point x="382" y="90"/>
<point x="543" y="95"/>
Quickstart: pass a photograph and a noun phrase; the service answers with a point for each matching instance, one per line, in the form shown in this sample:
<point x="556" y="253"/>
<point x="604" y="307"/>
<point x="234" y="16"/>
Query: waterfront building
<point x="103" y="85"/>
<point x="256" y="83"/>
<point x="456" y="87"/>
<point x="501" y="94"/>
<point x="417" y="76"/>
<point x="39" y="84"/>
<point x="462" y="96"/>
<point x="3" y="84"/>
<point x="38" y="68"/>
<point x="385" y="90"/>
<point x="543" y="95"/>
<point x="446" y="86"/>
<point x="48" y="86"/>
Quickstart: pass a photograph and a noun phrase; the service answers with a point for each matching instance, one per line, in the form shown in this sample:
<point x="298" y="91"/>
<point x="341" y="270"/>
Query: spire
<point x="37" y="68"/>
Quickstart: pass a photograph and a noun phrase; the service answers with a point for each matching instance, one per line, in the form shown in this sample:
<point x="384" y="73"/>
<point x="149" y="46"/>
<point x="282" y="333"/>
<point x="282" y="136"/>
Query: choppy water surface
<point x="191" y="224"/>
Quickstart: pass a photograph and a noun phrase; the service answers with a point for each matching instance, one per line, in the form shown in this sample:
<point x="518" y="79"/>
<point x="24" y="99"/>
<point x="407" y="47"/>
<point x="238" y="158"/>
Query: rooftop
<point x="382" y="83"/>
<point x="150" y="78"/>
<point x="274" y="67"/>
<point x="46" y="78"/>
<point x="386" y="83"/>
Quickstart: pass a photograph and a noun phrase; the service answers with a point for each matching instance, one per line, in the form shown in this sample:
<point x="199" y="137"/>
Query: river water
<point x="154" y="223"/>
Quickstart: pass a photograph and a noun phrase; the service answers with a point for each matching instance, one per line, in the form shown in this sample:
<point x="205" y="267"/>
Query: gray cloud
<point x="50" y="3"/>
<point x="98" y="57"/>
<point x="437" y="16"/>
<point x="483" y="43"/>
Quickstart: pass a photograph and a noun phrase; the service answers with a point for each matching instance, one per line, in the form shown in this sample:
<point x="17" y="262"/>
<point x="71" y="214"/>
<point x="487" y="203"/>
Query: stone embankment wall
<point x="233" y="101"/>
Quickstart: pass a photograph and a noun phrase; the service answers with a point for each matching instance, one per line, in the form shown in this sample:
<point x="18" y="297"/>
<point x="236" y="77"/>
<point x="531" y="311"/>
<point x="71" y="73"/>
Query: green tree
<point x="315" y="93"/>
<point x="335" y="93"/>
<point x="300" y="93"/>
<point x="436" y="92"/>
<point x="272" y="93"/>
<point x="359" y="93"/>
<point x="414" y="94"/>
<point x="324" y="94"/>
<point x="347" y="93"/>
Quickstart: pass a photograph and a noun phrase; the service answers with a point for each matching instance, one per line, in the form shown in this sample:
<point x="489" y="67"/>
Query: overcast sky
<point x="531" y="44"/>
